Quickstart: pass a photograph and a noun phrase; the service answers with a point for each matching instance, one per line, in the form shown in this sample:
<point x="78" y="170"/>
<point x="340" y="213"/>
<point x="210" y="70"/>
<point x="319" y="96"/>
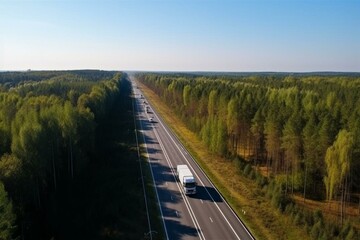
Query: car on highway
<point x="151" y="119"/>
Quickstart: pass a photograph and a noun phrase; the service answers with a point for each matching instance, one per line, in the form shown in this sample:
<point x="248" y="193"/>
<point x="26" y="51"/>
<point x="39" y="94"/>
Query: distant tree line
<point x="48" y="126"/>
<point x="301" y="131"/>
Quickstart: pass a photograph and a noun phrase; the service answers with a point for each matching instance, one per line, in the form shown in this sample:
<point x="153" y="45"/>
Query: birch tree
<point x="338" y="163"/>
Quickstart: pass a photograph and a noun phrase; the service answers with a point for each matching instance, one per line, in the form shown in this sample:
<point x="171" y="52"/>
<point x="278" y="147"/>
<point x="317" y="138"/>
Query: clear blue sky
<point x="181" y="35"/>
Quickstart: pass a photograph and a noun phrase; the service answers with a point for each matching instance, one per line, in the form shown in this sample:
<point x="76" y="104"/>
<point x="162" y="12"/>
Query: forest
<point x="64" y="145"/>
<point x="297" y="135"/>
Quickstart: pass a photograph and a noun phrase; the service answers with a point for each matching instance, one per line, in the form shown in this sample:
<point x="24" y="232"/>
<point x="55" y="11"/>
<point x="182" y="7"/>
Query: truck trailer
<point x="186" y="179"/>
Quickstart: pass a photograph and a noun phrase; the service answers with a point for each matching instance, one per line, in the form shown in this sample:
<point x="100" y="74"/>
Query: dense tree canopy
<point x="7" y="217"/>
<point x="303" y="128"/>
<point x="48" y="127"/>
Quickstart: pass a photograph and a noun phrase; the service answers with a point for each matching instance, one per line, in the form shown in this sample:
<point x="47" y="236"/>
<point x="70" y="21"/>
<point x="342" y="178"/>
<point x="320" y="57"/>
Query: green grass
<point x="263" y="220"/>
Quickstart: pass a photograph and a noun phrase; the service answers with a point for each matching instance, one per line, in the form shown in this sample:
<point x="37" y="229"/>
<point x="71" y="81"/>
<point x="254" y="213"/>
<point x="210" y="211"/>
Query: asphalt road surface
<point x="205" y="215"/>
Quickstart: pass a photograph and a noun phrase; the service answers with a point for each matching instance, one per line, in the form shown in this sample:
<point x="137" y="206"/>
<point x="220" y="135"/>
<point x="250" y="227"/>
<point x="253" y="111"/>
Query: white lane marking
<point x="211" y="219"/>
<point x="139" y="160"/>
<point x="233" y="230"/>
<point x="152" y="174"/>
<point x="177" y="213"/>
<point x="186" y="201"/>
<point x="231" y="210"/>
<point x="201" y="201"/>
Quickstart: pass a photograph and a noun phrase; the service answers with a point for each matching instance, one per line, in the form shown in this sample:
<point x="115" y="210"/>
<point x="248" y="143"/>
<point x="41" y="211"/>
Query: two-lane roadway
<point x="205" y="215"/>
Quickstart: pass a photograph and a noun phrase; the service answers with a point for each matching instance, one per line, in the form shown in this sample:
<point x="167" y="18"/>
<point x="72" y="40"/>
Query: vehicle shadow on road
<point x="204" y="194"/>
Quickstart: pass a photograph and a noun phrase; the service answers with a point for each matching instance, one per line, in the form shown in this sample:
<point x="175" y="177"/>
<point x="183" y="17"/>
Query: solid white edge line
<point x="186" y="201"/>
<point x="227" y="204"/>
<point x="152" y="174"/>
<point x="237" y="217"/>
<point x="133" y="103"/>
<point x="202" y="183"/>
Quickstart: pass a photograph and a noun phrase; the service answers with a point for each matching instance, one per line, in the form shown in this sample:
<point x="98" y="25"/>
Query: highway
<point x="205" y="215"/>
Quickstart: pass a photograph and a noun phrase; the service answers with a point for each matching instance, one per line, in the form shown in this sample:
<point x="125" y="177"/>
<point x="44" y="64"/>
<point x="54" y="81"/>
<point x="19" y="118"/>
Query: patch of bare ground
<point x="244" y="195"/>
<point x="331" y="210"/>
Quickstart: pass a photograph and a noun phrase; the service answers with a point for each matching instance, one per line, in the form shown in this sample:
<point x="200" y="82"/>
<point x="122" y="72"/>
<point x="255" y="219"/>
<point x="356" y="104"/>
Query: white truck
<point x="186" y="179"/>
